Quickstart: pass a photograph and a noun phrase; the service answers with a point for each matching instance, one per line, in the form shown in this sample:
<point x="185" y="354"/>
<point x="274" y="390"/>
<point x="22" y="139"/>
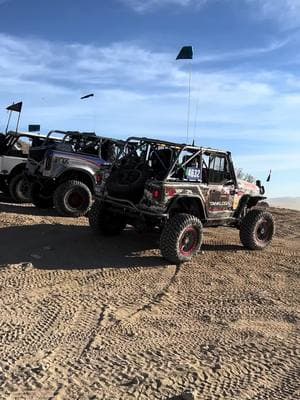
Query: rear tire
<point x="72" y="198"/>
<point x="40" y="197"/>
<point x="104" y="222"/>
<point x="257" y="229"/>
<point x="19" y="189"/>
<point x="181" y="238"/>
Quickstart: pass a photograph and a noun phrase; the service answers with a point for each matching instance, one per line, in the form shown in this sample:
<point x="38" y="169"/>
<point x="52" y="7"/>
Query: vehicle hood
<point x="248" y="187"/>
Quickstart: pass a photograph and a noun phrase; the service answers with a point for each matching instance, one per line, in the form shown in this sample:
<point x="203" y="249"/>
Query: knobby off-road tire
<point x="104" y="222"/>
<point x="72" y="198"/>
<point x="257" y="229"/>
<point x="40" y="197"/>
<point x="181" y="238"/>
<point x="19" y="189"/>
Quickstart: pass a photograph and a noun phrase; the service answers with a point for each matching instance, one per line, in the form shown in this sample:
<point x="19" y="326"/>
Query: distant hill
<point x="285" y="202"/>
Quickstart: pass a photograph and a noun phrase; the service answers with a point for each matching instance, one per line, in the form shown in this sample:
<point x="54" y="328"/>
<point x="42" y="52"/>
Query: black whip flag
<point x="87" y="96"/>
<point x="186" y="53"/>
<point x="15" y="107"/>
<point x="269" y="176"/>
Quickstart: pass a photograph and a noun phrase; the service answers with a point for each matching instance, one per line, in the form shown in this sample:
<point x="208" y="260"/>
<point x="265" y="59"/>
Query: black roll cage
<point x="177" y="149"/>
<point x="13" y="137"/>
<point x="86" y="136"/>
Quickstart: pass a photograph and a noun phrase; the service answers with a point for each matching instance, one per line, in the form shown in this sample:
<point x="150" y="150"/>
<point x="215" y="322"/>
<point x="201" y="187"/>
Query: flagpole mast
<point x="186" y="53"/>
<point x="17" y="127"/>
<point x="196" y="118"/>
<point x="8" y="121"/>
<point x="189" y="105"/>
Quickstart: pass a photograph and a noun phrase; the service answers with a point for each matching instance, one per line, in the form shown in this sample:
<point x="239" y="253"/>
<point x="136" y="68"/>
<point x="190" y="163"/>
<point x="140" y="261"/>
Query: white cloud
<point x="139" y="91"/>
<point x="146" y="5"/>
<point x="142" y="92"/>
<point x="287" y="12"/>
<point x="245" y="53"/>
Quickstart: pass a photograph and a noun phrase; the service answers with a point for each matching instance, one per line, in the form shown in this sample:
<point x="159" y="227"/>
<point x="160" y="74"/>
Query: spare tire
<point x="127" y="183"/>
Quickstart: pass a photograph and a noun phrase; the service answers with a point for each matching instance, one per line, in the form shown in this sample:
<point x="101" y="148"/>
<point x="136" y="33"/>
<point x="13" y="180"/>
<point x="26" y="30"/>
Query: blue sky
<point x="245" y="93"/>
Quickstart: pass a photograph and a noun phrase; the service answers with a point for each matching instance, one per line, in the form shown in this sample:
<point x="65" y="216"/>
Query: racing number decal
<point x="193" y="174"/>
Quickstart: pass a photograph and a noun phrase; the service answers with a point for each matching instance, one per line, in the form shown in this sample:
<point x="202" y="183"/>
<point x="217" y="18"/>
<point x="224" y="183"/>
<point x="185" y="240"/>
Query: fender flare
<point x="247" y="201"/>
<point x="86" y="172"/>
<point x="17" y="170"/>
<point x="197" y="200"/>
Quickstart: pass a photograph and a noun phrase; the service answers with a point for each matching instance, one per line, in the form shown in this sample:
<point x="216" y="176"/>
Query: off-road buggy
<point x="63" y="171"/>
<point x="178" y="189"/>
<point x="14" y="149"/>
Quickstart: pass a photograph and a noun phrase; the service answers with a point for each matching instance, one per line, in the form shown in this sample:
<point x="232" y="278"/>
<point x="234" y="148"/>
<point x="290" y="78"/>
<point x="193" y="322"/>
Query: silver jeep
<point x="64" y="170"/>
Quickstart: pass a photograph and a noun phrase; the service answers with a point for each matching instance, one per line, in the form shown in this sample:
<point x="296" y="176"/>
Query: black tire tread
<point x="247" y="229"/>
<point x="170" y="234"/>
<point x="103" y="222"/>
<point x="94" y="217"/>
<point x="59" y="198"/>
<point x="12" y="188"/>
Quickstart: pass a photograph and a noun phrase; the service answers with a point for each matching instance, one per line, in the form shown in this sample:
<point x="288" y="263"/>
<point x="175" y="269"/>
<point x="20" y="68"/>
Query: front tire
<point x="72" y="198"/>
<point x="257" y="229"/>
<point x="19" y="189"/>
<point x="181" y="238"/>
<point x="104" y="222"/>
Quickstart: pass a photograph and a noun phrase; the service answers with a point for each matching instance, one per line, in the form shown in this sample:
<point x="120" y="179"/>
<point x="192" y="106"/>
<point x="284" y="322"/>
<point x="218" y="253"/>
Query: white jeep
<point x="14" y="149"/>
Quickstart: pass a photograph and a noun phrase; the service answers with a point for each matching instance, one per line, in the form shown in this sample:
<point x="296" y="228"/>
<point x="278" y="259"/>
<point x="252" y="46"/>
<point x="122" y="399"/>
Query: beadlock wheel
<point x="181" y="238"/>
<point x="257" y="229"/>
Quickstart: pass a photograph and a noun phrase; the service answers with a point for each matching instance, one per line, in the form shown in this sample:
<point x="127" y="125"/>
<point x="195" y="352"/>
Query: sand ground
<point x="86" y="317"/>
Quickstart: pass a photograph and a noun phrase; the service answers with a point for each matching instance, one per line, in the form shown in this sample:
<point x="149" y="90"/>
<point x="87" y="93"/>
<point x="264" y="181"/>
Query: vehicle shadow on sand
<point x="58" y="246"/>
<point x="7" y="205"/>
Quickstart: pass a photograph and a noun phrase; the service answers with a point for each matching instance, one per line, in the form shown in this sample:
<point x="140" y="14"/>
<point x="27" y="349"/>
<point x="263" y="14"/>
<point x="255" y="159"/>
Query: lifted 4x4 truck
<point x="63" y="171"/>
<point x="178" y="189"/>
<point x="14" y="148"/>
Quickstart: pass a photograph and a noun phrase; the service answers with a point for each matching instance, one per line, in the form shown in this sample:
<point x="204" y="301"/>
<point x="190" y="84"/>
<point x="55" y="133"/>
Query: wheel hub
<point x="188" y="241"/>
<point x="75" y="199"/>
<point x="262" y="231"/>
<point x="22" y="190"/>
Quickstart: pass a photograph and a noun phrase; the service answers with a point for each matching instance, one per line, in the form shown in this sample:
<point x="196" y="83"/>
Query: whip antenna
<point x="186" y="53"/>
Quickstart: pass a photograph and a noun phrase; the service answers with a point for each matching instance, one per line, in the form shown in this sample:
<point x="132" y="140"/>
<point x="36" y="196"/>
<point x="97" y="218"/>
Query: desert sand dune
<point x="86" y="317"/>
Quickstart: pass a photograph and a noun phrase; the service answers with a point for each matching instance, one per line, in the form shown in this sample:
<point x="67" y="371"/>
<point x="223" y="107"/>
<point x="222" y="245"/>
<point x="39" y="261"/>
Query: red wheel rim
<point x="189" y="241"/>
<point x="75" y="199"/>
